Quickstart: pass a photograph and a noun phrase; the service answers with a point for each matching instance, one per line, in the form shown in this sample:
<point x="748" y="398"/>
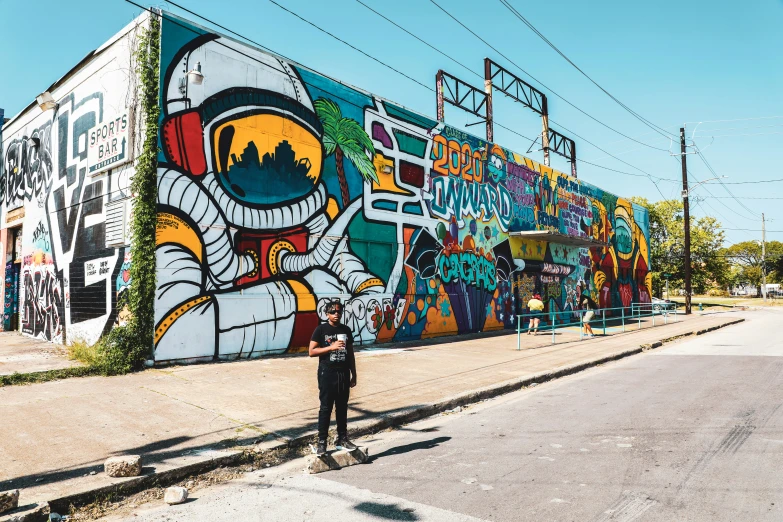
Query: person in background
<point x="332" y="343"/>
<point x="536" y="306"/>
<point x="587" y="303"/>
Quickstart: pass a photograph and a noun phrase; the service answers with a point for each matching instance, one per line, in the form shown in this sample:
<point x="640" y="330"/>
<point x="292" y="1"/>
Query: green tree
<point x="746" y="256"/>
<point x="667" y="242"/>
<point x="344" y="137"/>
<point x="775" y="264"/>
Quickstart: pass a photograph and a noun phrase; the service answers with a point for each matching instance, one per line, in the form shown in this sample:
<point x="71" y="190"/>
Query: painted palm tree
<point x="345" y="138"/>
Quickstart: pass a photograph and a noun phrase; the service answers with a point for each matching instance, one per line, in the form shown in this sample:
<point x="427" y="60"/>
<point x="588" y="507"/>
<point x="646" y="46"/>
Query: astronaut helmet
<point x="249" y="122"/>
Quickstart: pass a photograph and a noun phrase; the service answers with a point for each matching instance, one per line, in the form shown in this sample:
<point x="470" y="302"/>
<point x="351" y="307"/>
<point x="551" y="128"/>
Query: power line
<point x="479" y="76"/>
<point x="221" y="27"/>
<point x="742" y="128"/>
<point x="351" y="46"/>
<point x="497" y="123"/>
<point x="752" y="218"/>
<point x="743" y="205"/>
<point x="737" y="119"/>
<point x="525" y="21"/>
<point x="459" y="150"/>
<point x="710" y="193"/>
<point x="331" y="93"/>
<point x="733" y="211"/>
<point x="650" y="176"/>
<point x="436" y="49"/>
<point x="395" y="24"/>
<point x="738" y="135"/>
<point x="752" y="230"/>
<point x="753" y="182"/>
<point x="539" y="81"/>
<point x="745" y="197"/>
<point x="379" y="61"/>
<point x="289" y="59"/>
<point x="620" y="171"/>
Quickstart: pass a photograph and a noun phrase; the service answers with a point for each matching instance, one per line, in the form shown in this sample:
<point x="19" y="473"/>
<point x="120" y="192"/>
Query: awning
<point x="559" y="238"/>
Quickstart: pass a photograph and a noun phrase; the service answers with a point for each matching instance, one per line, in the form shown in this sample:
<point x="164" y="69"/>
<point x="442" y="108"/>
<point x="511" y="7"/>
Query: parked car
<point x="663" y="304"/>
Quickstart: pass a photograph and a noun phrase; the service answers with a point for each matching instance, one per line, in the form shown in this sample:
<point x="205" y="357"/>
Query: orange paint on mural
<point x="437" y="323"/>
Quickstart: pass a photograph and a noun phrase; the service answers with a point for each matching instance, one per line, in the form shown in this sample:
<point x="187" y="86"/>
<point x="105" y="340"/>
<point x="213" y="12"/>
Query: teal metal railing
<point x="607" y="317"/>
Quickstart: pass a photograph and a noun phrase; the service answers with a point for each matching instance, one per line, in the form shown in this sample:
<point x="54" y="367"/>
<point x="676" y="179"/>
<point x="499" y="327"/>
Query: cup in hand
<point x="344" y="339"/>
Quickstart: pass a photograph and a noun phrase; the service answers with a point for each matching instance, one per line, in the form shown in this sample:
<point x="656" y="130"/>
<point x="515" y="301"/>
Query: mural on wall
<point x="280" y="189"/>
<point x="67" y="275"/>
<point x="11" y="299"/>
<point x="42" y="301"/>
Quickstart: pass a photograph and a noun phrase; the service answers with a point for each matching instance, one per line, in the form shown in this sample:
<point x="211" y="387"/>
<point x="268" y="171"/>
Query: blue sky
<point x="670" y="61"/>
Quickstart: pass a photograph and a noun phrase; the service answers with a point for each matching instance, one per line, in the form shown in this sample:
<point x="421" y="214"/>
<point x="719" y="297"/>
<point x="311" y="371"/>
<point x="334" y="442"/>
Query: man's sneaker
<point x="321" y="449"/>
<point x="345" y="444"/>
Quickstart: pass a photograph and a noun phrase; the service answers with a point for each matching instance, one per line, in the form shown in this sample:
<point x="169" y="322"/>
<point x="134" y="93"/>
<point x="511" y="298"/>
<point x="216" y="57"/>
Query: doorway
<point x="13" y="267"/>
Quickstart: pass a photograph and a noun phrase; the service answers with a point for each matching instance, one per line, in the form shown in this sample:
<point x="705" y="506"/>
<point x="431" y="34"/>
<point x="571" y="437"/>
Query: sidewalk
<point x="54" y="434"/>
<point x="22" y="354"/>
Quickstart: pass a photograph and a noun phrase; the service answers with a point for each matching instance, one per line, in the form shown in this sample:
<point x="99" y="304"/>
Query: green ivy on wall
<point x="126" y="348"/>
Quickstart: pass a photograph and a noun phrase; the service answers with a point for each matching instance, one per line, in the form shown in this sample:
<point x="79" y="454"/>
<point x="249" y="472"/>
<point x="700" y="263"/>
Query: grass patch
<point x="117" y="353"/>
<point x="50" y="375"/>
<point x="84" y="353"/>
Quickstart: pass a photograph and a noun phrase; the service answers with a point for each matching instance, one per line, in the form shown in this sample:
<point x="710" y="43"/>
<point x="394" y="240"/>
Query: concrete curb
<point x="299" y="446"/>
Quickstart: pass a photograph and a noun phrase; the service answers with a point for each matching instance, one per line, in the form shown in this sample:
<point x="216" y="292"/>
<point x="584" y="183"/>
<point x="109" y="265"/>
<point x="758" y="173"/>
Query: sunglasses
<point x="338" y="312"/>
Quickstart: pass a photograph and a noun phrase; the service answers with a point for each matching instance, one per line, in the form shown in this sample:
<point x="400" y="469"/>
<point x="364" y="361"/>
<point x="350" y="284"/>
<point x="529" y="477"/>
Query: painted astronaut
<point x="248" y="239"/>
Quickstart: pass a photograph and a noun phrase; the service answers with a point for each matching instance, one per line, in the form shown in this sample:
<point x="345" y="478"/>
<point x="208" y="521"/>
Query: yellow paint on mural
<point x="529" y="249"/>
<point x="266" y="132"/>
<point x="172" y="229"/>
<point x="332" y="207"/>
<point x="305" y="300"/>
<point x="384" y="168"/>
<point x="598" y="279"/>
<point x="642" y="241"/>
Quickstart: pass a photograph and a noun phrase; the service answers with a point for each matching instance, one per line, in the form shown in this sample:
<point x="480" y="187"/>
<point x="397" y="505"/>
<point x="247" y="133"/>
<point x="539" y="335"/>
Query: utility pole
<point x="763" y="258"/>
<point x="488" y="90"/>
<point x="545" y="130"/>
<point x="687" y="217"/>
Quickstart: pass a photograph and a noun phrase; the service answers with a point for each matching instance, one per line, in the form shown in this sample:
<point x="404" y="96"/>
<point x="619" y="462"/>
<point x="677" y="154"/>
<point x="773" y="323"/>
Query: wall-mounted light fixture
<point x="387" y="169"/>
<point x="45" y="101"/>
<point x="34" y="142"/>
<point x="193" y="76"/>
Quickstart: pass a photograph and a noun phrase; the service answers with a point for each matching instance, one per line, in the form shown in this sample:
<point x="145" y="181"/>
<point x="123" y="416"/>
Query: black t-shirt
<point x="588" y="303"/>
<point x="324" y="334"/>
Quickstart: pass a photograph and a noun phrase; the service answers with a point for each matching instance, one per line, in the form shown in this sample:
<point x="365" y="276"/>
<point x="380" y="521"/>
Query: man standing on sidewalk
<point x="332" y="343"/>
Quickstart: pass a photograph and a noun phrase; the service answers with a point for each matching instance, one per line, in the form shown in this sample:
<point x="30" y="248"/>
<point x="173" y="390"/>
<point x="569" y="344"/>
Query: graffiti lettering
<point x="41" y="238"/>
<point x="552" y="290"/>
<point x="28" y="168"/>
<point x="469" y="268"/>
<point x="551" y="268"/>
<point x="547" y="220"/>
<point x="530" y="177"/>
<point x="456" y="197"/>
<point x="42" y="303"/>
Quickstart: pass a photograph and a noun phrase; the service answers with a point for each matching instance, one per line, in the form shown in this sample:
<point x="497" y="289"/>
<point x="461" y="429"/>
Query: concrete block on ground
<point x="337" y="459"/>
<point x="123" y="466"/>
<point x="27" y="514"/>
<point x="9" y="500"/>
<point x="175" y="495"/>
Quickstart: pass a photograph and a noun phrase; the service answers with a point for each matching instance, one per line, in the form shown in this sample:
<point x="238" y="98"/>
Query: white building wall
<point x="73" y="206"/>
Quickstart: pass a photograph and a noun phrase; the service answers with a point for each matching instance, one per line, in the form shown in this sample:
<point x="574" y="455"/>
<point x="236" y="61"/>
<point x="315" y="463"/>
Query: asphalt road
<point x="692" y="431"/>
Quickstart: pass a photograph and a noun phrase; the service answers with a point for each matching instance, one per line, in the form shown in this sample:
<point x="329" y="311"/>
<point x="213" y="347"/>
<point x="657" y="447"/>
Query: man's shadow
<point x="407" y="448"/>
